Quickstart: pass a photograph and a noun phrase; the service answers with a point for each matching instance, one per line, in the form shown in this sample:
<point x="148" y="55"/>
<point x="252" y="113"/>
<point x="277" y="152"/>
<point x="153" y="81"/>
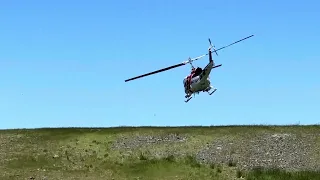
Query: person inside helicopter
<point x="196" y="72"/>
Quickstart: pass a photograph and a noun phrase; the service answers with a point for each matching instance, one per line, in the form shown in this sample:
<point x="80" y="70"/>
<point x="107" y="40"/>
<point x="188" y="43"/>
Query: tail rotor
<point x="211" y="46"/>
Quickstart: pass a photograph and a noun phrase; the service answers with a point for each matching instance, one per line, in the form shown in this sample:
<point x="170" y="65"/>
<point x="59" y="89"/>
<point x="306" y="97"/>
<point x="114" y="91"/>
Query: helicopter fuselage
<point x="200" y="82"/>
<point x="197" y="84"/>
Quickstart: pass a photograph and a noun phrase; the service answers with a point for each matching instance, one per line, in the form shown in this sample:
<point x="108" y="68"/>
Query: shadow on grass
<point x="277" y="174"/>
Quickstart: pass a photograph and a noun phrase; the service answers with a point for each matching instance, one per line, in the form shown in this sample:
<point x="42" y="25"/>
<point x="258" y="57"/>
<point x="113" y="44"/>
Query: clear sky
<point x="63" y="63"/>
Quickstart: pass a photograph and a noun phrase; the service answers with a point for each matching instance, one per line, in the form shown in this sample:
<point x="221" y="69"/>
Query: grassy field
<point x="230" y="152"/>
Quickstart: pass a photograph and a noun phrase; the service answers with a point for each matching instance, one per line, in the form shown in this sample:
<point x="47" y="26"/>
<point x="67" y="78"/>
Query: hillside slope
<point x="156" y="152"/>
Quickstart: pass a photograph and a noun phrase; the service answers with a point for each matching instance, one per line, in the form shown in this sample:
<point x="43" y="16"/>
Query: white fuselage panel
<point x="197" y="84"/>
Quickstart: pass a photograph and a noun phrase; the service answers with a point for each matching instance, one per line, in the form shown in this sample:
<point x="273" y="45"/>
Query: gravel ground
<point x="286" y="151"/>
<point x="142" y="141"/>
<point x="282" y="150"/>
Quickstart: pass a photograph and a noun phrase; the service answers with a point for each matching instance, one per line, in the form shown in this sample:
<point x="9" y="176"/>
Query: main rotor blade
<point x="154" y="72"/>
<point x="233" y="43"/>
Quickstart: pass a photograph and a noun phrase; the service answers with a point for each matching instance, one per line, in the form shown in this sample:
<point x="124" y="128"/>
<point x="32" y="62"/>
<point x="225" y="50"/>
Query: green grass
<point x="169" y="168"/>
<point x="87" y="153"/>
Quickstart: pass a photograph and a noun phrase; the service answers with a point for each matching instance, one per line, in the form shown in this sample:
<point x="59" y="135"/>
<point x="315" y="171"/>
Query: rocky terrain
<point x="87" y="152"/>
<point x="285" y="150"/>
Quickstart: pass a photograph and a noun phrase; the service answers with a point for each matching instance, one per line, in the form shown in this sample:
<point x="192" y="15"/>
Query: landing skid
<point x="208" y="90"/>
<point x="188" y="99"/>
<point x="188" y="96"/>
<point x="210" y="93"/>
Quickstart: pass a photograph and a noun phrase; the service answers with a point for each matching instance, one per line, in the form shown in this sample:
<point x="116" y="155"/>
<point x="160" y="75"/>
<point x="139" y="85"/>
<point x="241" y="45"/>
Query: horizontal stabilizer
<point x="217" y="66"/>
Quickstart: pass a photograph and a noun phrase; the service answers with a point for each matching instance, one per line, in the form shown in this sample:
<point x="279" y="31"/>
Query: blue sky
<point x="63" y="63"/>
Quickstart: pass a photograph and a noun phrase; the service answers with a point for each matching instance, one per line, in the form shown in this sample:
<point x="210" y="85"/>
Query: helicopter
<point x="199" y="78"/>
